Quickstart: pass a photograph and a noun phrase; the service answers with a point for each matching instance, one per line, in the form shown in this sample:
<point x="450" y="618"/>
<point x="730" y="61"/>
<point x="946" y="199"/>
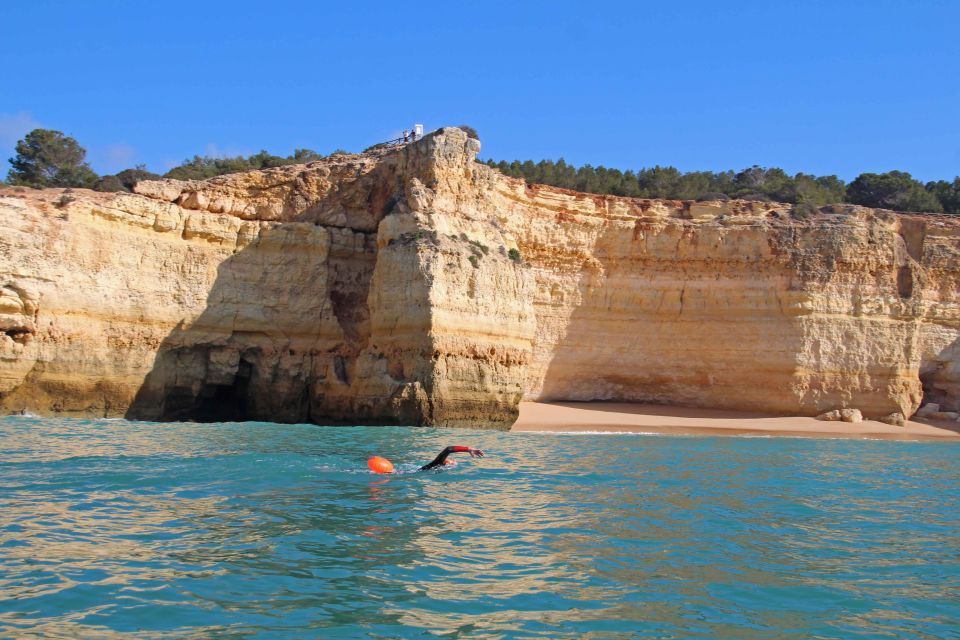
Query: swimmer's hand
<point x="475" y="453"/>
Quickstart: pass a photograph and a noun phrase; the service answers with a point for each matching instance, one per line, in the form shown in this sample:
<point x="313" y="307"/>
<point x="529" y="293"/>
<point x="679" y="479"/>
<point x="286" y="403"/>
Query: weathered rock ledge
<point x="380" y="288"/>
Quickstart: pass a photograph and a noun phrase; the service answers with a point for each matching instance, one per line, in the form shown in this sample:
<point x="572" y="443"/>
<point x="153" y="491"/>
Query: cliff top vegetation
<point x="47" y="158"/>
<point x="896" y="190"/>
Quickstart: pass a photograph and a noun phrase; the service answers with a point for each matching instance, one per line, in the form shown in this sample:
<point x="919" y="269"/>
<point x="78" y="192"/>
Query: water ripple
<point x="122" y="529"/>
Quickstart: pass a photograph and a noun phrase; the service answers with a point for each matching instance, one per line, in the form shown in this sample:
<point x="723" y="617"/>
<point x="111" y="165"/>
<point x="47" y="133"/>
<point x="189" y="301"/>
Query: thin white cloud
<point x="115" y="157"/>
<point x="214" y="150"/>
<point x="13" y="126"/>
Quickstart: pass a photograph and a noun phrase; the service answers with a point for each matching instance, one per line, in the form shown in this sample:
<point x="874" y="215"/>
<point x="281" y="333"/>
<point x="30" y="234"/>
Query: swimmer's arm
<point x="442" y="457"/>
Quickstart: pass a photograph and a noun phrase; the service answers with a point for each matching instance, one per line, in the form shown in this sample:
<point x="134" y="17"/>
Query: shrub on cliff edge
<point x="124" y="180"/>
<point x="803" y="210"/>
<point x="203" y="167"/>
<point x="108" y="184"/>
<point x="470" y="131"/>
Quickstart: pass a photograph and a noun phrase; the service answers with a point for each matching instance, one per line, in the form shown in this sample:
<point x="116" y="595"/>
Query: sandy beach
<point x="645" y="418"/>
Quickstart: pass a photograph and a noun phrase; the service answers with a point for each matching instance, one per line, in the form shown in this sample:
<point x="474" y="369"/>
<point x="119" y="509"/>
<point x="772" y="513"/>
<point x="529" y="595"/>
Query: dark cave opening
<point x="933" y="392"/>
<point x="215" y="402"/>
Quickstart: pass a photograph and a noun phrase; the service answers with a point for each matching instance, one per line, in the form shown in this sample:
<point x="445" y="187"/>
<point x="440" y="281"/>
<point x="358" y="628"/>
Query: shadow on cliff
<point x="646" y="330"/>
<point x="940" y="377"/>
<point x="282" y="314"/>
<point x="651" y="325"/>
<point x="285" y="323"/>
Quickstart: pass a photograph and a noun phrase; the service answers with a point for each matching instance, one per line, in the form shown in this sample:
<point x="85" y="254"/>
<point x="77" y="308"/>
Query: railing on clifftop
<point x="408" y="136"/>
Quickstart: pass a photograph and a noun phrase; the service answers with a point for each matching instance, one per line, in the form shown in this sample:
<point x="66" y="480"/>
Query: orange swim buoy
<point x="379" y="464"/>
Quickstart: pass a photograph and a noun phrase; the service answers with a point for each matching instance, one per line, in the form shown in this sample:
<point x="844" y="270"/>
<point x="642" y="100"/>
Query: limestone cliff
<point x="738" y="305"/>
<point x="380" y="288"/>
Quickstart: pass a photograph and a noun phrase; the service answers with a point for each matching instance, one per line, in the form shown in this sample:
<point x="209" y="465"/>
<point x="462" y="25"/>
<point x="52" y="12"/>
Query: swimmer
<point x="379" y="464"/>
<point x="441" y="458"/>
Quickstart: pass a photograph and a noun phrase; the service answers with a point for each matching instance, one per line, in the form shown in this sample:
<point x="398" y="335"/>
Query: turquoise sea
<point x="123" y="529"/>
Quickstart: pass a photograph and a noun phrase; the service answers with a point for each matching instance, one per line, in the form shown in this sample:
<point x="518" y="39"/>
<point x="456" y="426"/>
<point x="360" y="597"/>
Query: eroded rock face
<point x="335" y="292"/>
<point x="381" y="289"/>
<point x="737" y="305"/>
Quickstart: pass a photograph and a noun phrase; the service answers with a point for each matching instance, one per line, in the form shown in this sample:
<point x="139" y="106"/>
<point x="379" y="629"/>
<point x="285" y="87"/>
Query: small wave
<point x="607" y="433"/>
<point x="822" y="436"/>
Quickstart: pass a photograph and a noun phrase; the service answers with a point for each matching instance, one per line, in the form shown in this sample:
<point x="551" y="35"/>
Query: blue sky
<point x="821" y="87"/>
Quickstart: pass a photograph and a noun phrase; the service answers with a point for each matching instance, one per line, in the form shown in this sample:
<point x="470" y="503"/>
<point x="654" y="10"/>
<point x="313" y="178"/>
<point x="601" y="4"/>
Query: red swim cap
<point x="378" y="464"/>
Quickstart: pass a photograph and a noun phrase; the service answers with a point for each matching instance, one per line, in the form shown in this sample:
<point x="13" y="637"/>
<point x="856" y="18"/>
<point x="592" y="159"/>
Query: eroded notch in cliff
<point x="18" y="335"/>
<point x="914" y="233"/>
<point x="909" y="254"/>
<point x="351" y="263"/>
<point x="905" y="281"/>
<point x="939" y="388"/>
<point x="225" y="402"/>
<point x="200" y="383"/>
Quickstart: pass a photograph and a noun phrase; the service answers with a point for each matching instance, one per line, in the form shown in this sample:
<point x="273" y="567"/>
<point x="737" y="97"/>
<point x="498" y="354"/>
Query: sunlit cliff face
<point x="735" y="304"/>
<point x="416" y="286"/>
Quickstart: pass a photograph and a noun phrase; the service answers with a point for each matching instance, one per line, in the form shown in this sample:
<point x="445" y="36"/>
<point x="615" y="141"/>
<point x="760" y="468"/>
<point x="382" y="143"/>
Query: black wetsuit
<point x="442" y="457"/>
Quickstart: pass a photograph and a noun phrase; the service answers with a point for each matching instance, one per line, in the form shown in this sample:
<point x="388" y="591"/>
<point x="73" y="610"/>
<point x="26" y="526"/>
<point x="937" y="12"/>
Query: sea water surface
<point x="123" y="529"/>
